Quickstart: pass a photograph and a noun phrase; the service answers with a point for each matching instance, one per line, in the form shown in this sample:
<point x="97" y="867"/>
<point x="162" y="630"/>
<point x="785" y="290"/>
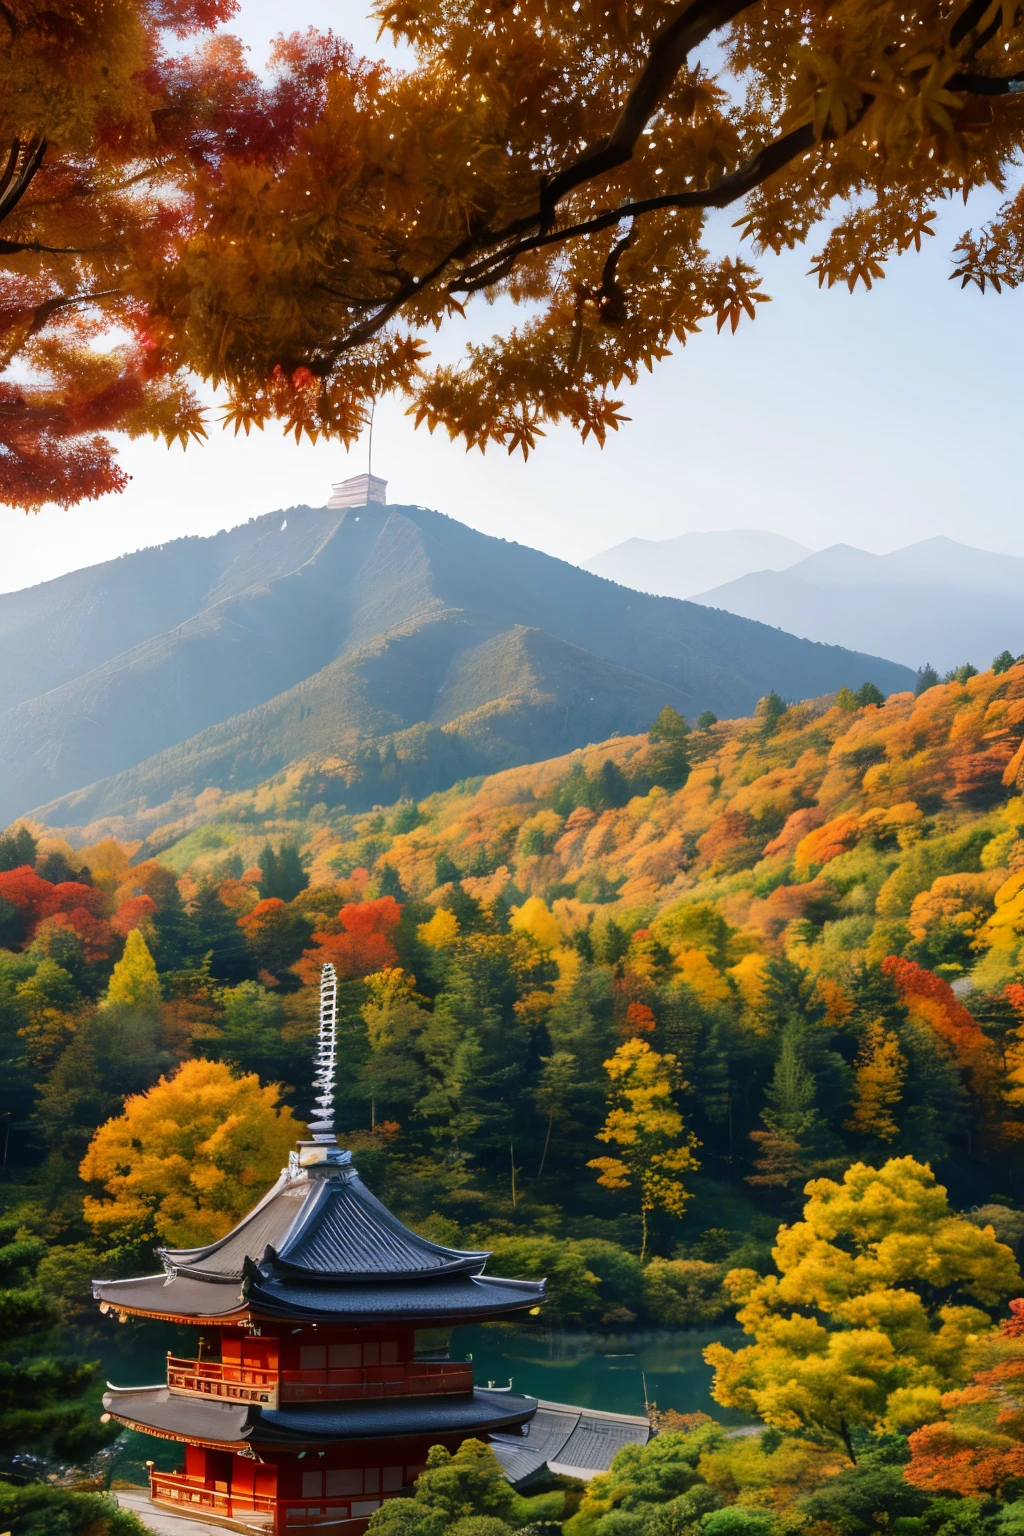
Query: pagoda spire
<point x="321" y="1124"/>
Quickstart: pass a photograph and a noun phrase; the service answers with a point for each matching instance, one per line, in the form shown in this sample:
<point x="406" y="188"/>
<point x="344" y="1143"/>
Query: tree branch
<point x="22" y="164"/>
<point x="667" y="56"/>
<point x="774" y="157"/>
<point x="987" y="85"/>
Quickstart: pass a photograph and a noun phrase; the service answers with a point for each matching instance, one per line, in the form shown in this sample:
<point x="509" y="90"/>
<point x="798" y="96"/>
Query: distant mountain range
<point x="404" y="649"/>
<point x="936" y="601"/>
<point x="689" y="564"/>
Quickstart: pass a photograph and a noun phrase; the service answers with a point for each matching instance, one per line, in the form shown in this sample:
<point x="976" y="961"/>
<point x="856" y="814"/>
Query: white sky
<point x="878" y="419"/>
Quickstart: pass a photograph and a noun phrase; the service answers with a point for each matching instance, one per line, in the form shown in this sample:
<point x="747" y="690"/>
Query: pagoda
<point x="332" y="1378"/>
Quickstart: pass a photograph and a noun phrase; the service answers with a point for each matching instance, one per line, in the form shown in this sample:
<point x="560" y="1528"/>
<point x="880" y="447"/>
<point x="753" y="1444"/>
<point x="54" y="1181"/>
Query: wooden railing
<point x="218" y="1378"/>
<point x="180" y="1492"/>
<point x="254" y="1384"/>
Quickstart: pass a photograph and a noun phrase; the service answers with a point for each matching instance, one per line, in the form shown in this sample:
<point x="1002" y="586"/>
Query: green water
<point x="614" y="1371"/>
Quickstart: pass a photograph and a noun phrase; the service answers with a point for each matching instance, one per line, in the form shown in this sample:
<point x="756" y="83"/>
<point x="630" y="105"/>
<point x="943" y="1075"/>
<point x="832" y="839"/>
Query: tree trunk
<point x="547" y="1143"/>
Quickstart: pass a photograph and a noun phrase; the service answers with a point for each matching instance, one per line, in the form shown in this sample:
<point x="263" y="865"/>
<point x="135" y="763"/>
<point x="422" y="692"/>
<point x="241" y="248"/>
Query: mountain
<point x="936" y="601"/>
<point x="685" y="565"/>
<point x="411" y="647"/>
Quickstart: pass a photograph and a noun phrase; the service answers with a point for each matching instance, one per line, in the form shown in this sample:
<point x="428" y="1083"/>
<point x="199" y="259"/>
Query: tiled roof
<point x="327" y="1226"/>
<point x="196" y="1419"/>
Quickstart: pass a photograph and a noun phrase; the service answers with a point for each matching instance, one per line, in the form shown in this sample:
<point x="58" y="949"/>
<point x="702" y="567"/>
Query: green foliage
<point x="39" y="1510"/>
<point x="41" y="1390"/>
<point x="281" y="873"/>
<point x="668" y="763"/>
<point x="17" y="847"/>
<point x="927" y="677"/>
<point x="705" y="720"/>
<point x="1003" y="662"/>
<point x="869" y="693"/>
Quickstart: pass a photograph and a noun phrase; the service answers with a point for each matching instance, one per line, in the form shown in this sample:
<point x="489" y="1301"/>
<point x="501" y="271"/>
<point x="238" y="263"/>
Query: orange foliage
<point x="826" y="843"/>
<point x="931" y="1000"/>
<point x="361" y="948"/>
<point x="133" y="913"/>
<point x="640" y="1020"/>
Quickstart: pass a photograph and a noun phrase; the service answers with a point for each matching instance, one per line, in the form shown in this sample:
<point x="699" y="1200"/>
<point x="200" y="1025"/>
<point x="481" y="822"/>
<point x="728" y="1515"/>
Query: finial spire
<point x="322" y="1123"/>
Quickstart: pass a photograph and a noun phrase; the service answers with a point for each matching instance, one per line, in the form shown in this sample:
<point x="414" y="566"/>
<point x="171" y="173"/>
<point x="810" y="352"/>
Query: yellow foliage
<point x="134" y="981"/>
<point x="880" y="1068"/>
<point x="643" y="1122"/>
<point x="191" y="1156"/>
<point x="751" y="977"/>
<point x="441" y="931"/>
<point x="536" y="919"/>
<point x="842" y="1337"/>
<point x="694" y="967"/>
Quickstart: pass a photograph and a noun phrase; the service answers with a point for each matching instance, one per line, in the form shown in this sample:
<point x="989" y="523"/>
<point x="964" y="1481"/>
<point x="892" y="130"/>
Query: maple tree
<point x="859" y="1327"/>
<point x="978" y="1444"/>
<point x="305" y="238"/>
<point x="361" y="945"/>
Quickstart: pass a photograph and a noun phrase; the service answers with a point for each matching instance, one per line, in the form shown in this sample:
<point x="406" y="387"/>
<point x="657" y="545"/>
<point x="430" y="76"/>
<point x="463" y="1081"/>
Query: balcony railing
<point x="263" y="1510"/>
<point x="254" y="1384"/>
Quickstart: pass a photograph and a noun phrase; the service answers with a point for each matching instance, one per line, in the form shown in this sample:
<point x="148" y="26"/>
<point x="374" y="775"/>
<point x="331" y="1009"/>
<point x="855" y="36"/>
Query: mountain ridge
<point x="339" y="596"/>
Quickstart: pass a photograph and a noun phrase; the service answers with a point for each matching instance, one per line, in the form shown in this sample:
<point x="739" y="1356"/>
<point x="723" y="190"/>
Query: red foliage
<point x="27" y="892"/>
<point x="132" y="914"/>
<point x="363" y="946"/>
<point x="96" y="935"/>
<point x="640" y="1020"/>
<point x="970" y="1047"/>
<point x="70" y="895"/>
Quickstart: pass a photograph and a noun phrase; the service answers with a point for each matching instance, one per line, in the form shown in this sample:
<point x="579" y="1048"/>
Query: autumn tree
<point x="653" y="1143"/>
<point x="877" y="1302"/>
<point x="977" y="1445"/>
<point x="569" y="162"/>
<point x="190" y="1157"/>
<point x="134" y="982"/>
<point x="880" y="1070"/>
<point x="361" y="945"/>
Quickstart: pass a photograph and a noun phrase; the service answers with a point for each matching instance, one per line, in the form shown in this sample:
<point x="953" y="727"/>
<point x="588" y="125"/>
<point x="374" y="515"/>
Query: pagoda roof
<point x="319" y="1245"/>
<point x="449" y="1299"/>
<point x="324" y="1225"/>
<point x="156" y="1410"/>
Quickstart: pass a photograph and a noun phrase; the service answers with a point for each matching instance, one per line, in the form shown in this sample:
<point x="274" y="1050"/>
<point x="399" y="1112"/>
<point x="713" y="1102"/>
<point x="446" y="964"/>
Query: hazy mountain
<point x="936" y="601"/>
<point x="688" y="564"/>
<point x="414" y="647"/>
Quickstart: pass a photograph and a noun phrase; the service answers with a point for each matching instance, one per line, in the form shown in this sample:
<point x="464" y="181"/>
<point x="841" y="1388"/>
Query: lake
<point x="614" y="1371"/>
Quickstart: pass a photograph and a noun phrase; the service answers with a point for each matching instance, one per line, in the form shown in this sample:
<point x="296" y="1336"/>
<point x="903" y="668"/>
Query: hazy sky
<point x="878" y="419"/>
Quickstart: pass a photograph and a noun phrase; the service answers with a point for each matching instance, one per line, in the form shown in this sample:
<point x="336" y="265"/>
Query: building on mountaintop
<point x="333" y="1378"/>
<point x="358" y="491"/>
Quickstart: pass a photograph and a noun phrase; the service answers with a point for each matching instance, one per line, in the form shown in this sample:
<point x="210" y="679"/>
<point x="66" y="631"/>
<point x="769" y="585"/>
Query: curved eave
<point x="229" y="1426"/>
<point x="180" y="1299"/>
<point x="463" y="1299"/>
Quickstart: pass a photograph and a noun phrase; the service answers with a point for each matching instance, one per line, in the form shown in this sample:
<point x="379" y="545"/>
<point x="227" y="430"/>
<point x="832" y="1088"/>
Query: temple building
<point x="358" y="491"/>
<point x="332" y="1378"/>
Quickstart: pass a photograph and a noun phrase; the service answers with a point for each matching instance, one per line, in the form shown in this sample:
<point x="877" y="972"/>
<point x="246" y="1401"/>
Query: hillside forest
<point x="714" y="1022"/>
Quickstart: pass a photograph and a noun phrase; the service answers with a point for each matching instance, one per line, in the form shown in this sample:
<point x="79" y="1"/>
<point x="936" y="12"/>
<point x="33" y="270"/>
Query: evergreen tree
<point x="216" y="933"/>
<point x="869" y="693"/>
<point x="790" y="1146"/>
<point x="770" y="711"/>
<point x="389" y="883"/>
<point x="173" y="936"/>
<point x="1003" y="662"/>
<point x="668" y="763"/>
<point x="706" y="719"/>
<point x="281" y="873"/>
<point x="614" y="786"/>
<point x="445" y="870"/>
<point x="927" y="677"/>
<point x="42" y="1392"/>
<point x="17" y="847"/>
